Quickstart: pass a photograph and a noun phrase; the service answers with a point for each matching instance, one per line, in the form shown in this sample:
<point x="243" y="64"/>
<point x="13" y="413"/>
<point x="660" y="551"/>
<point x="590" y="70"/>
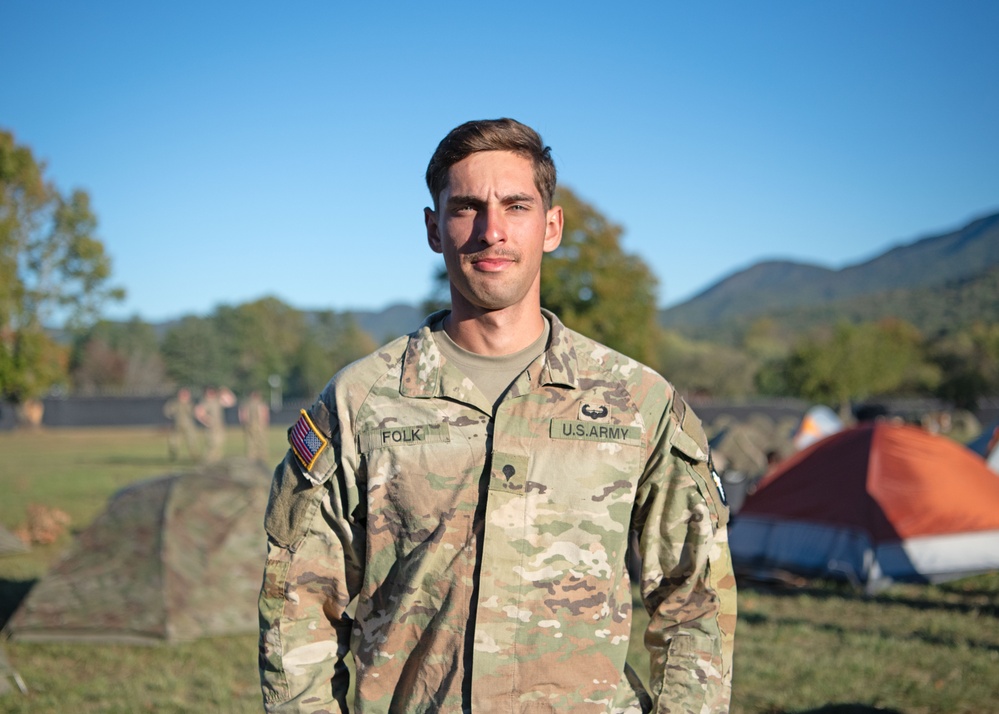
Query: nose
<point x="491" y="227"/>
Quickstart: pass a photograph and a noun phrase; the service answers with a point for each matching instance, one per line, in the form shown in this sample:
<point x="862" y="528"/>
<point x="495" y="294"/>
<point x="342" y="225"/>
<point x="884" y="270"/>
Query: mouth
<point x="492" y="263"/>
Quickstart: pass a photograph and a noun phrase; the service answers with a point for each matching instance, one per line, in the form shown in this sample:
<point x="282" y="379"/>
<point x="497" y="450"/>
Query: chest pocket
<point x="564" y="503"/>
<point x="419" y="476"/>
<point x="590" y="460"/>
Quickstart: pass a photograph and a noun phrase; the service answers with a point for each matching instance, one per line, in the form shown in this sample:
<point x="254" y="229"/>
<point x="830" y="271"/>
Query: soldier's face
<point x="492" y="228"/>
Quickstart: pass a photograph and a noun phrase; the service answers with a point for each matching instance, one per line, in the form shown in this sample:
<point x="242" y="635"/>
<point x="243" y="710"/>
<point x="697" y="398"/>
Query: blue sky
<point x="234" y="150"/>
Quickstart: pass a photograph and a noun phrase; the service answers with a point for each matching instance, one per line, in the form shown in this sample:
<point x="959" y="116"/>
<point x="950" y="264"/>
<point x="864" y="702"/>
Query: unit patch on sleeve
<point x="306" y="441"/>
<point x="718" y="484"/>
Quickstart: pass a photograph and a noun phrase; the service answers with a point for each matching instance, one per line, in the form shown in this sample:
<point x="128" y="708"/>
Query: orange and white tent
<point x="875" y="503"/>
<point x="819" y="422"/>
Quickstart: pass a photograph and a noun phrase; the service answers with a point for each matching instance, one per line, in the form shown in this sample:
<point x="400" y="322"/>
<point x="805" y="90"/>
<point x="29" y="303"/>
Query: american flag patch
<point x="306" y="441"/>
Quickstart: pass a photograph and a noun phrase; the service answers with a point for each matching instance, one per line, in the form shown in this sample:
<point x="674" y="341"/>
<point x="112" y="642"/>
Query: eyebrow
<point x="471" y="200"/>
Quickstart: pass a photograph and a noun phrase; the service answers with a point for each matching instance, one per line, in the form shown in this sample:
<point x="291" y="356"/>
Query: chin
<point x="488" y="302"/>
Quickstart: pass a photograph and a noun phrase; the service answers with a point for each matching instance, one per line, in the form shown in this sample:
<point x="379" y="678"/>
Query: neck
<point x="495" y="332"/>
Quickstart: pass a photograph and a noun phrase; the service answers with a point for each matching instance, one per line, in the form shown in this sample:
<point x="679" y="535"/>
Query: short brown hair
<point x="492" y="135"/>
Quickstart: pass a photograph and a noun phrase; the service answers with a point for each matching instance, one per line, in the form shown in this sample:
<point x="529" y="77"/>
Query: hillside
<point x="939" y="283"/>
<point x="387" y="324"/>
<point x="934" y="311"/>
<point x="906" y="273"/>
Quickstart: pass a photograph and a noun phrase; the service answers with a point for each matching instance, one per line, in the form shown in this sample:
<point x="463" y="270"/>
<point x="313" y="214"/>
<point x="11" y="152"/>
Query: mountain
<point x="935" y="283"/>
<point x="943" y="262"/>
<point x="389" y="323"/>
<point x="937" y="310"/>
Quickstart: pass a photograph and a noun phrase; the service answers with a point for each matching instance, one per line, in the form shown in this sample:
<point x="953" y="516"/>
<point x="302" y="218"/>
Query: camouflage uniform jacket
<point x="473" y="561"/>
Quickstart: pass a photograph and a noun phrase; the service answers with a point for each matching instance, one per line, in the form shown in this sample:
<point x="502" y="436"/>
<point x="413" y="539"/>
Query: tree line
<point x="55" y="278"/>
<point x="250" y="347"/>
<point x="841" y="363"/>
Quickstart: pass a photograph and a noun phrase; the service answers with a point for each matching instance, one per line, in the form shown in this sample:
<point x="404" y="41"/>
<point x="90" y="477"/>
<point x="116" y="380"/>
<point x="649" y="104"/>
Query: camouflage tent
<point x="742" y="451"/>
<point x="10" y="543"/>
<point x="741" y="447"/>
<point x="173" y="558"/>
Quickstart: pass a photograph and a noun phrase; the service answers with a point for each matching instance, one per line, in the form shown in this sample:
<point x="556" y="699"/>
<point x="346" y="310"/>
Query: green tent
<point x="170" y="559"/>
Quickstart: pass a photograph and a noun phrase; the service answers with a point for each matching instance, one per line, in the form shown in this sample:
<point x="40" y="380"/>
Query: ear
<point x="553" y="229"/>
<point x="433" y="230"/>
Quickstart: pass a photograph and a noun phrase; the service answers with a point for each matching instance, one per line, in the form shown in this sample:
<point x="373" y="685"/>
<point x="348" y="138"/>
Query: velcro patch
<point x="509" y="473"/>
<point x="306" y="441"/>
<point x="404" y="436"/>
<point x="595" y="431"/>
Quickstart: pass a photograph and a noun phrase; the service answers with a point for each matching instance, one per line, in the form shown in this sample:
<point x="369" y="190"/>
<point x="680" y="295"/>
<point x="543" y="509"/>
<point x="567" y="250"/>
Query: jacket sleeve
<point x="687" y="583"/>
<point x="315" y="551"/>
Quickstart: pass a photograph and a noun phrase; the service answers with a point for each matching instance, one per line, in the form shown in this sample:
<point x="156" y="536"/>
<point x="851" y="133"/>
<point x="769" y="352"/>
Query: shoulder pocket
<point x="293" y="503"/>
<point x="300" y="480"/>
<point x="688" y="434"/>
<point x="690" y="440"/>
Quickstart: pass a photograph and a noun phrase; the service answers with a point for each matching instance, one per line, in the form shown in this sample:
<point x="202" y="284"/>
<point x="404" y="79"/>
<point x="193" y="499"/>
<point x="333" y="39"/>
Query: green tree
<point x="53" y="272"/>
<point x="969" y="361"/>
<point x="699" y="368"/>
<point x="242" y="346"/>
<point x="195" y="354"/>
<point x="766" y="339"/>
<point x="332" y="342"/>
<point x="259" y="339"/>
<point x="238" y="347"/>
<point x="595" y="287"/>
<point x="856" y="362"/>
<point x="119" y="356"/>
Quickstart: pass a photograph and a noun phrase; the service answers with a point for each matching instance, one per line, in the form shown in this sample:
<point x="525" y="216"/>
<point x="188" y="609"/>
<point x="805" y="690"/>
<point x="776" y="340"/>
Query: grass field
<point x="825" y="648"/>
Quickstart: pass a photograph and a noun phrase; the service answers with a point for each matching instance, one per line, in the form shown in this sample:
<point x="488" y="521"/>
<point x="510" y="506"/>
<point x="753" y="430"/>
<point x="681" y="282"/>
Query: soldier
<point x="180" y="410"/>
<point x="455" y="509"/>
<point x="210" y="411"/>
<point x="255" y="418"/>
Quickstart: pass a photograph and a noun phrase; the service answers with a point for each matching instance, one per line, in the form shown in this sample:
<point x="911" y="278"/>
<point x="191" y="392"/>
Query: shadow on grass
<point x="974" y="604"/>
<point x="848" y="709"/>
<point x="12" y="592"/>
<point x="888" y="634"/>
<point x="971" y="601"/>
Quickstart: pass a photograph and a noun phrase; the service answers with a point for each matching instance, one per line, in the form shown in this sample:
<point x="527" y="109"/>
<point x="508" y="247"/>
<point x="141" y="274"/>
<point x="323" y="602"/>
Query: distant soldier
<point x="180" y="410"/>
<point x="255" y="418"/>
<point x="210" y="411"/>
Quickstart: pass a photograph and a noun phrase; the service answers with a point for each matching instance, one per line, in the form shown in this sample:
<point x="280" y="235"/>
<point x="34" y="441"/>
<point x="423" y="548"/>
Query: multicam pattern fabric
<point x="173" y="558"/>
<point x="477" y="561"/>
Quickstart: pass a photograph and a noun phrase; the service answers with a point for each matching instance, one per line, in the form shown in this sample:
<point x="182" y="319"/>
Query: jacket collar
<point x="425" y="372"/>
